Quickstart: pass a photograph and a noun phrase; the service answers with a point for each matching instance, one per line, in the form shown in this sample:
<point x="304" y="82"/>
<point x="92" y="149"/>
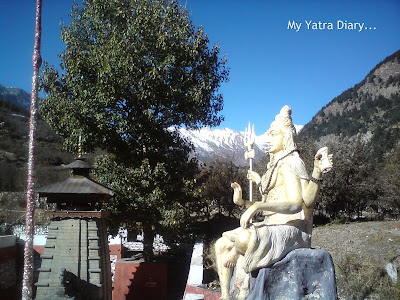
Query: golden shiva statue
<point x="288" y="198"/>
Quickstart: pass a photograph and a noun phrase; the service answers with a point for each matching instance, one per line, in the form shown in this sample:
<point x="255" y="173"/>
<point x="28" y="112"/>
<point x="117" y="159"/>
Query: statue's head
<point x="282" y="133"/>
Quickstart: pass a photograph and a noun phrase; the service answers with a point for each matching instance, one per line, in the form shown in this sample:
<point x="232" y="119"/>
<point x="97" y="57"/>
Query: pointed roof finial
<point x="80" y="146"/>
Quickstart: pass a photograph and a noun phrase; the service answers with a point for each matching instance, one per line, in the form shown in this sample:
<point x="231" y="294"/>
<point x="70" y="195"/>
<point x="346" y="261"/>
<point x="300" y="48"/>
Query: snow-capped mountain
<point x="224" y="144"/>
<point x="261" y="140"/>
<point x="16" y="96"/>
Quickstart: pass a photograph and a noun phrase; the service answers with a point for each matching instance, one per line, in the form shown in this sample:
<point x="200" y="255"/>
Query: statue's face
<point x="275" y="140"/>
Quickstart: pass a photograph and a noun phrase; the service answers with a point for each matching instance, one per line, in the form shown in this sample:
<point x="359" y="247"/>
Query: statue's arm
<point x="238" y="196"/>
<point x="311" y="191"/>
<point x="291" y="203"/>
<point x="237" y="190"/>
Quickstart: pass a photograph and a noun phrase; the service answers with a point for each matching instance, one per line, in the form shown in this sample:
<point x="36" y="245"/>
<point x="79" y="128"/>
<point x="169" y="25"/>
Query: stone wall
<point x="75" y="261"/>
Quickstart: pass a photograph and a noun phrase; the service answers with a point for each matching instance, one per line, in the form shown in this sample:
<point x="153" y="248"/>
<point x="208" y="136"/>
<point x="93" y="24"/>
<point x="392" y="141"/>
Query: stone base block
<point x="301" y="274"/>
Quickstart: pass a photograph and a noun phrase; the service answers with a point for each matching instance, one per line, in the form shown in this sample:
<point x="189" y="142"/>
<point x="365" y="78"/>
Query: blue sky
<point x="270" y="64"/>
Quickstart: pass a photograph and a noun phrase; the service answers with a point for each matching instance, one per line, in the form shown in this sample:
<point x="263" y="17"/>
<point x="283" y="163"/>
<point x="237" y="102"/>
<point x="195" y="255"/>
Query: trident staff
<point x="249" y="154"/>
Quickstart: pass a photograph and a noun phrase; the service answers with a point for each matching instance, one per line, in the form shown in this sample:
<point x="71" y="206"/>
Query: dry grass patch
<point x="360" y="252"/>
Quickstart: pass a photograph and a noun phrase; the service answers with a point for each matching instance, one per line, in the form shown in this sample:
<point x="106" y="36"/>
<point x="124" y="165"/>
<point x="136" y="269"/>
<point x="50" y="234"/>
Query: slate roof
<point x="79" y="163"/>
<point x="75" y="185"/>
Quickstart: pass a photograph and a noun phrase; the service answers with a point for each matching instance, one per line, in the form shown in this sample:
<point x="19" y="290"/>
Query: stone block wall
<point x="75" y="260"/>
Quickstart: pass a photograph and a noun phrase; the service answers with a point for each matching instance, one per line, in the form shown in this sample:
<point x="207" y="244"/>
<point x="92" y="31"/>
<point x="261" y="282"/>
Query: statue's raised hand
<point x="323" y="161"/>
<point x="253" y="176"/>
<point x="237" y="194"/>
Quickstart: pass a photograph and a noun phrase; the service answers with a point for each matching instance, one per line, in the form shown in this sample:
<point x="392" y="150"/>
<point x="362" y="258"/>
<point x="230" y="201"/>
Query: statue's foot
<point x="231" y="259"/>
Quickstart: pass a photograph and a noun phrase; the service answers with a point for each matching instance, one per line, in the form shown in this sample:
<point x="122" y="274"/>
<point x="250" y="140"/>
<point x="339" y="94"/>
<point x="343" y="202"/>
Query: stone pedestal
<point x="301" y="274"/>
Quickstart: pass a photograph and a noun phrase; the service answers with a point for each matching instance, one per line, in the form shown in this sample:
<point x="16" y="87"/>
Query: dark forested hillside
<point x="14" y="121"/>
<point x="362" y="129"/>
<point x="368" y="112"/>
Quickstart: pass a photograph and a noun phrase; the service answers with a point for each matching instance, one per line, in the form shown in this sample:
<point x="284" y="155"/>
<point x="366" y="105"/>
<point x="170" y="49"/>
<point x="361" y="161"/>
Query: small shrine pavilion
<point x="76" y="263"/>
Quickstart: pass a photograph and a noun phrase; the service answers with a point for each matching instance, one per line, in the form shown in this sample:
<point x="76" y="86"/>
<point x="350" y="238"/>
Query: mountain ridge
<point x="16" y="96"/>
<point x="368" y="112"/>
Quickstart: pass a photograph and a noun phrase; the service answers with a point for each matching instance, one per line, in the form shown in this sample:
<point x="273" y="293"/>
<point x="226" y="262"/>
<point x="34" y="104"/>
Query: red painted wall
<point x="116" y="250"/>
<point x="39" y="249"/>
<point x="8" y="273"/>
<point x="9" y="253"/>
<point x="140" y="281"/>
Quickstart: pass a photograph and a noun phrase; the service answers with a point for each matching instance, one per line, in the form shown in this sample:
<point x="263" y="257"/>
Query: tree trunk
<point x="148" y="239"/>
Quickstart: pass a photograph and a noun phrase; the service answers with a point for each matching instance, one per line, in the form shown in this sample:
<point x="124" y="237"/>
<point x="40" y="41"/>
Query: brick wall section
<point x="8" y="262"/>
<point x="8" y="271"/>
<point x="137" y="280"/>
<point x="116" y="250"/>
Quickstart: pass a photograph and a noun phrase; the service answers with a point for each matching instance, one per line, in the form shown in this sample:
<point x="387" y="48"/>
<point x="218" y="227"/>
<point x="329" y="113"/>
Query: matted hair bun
<point x="284" y="118"/>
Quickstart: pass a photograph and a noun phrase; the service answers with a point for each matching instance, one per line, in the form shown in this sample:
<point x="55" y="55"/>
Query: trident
<point x="249" y="154"/>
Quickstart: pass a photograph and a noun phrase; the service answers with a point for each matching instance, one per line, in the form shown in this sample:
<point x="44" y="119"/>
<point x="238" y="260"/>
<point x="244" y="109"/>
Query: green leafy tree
<point x="131" y="70"/>
<point x="351" y="186"/>
<point x="151" y="198"/>
<point x="216" y="190"/>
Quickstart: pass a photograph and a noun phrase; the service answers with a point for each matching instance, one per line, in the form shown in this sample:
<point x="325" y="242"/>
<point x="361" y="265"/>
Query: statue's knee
<point x="242" y="241"/>
<point x="222" y="244"/>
